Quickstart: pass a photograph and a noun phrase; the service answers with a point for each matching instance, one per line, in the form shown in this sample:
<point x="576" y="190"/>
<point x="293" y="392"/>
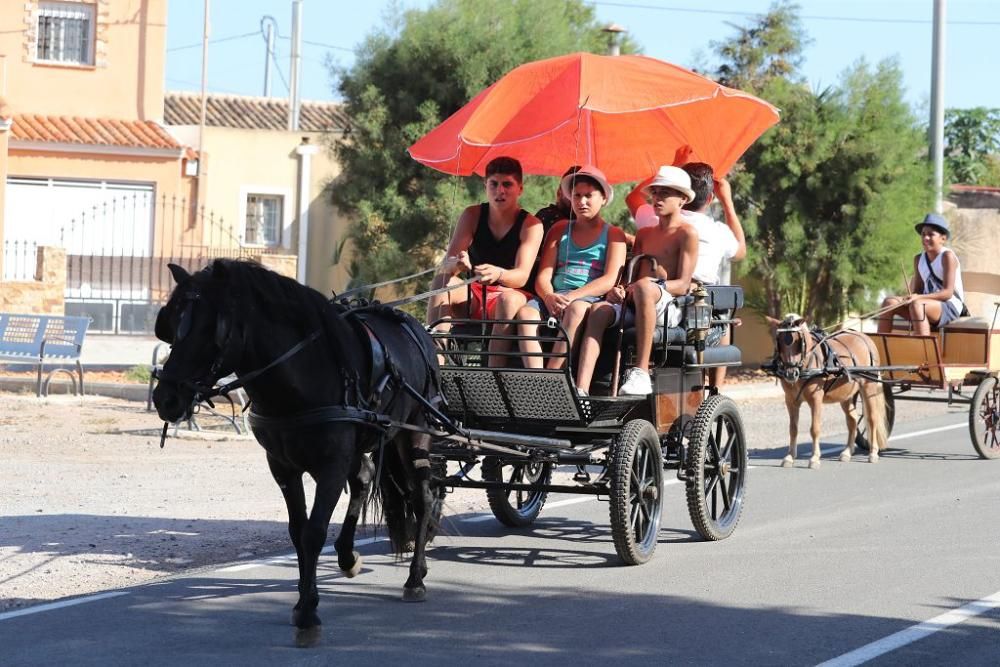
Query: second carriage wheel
<point x="717" y="466"/>
<point x="984" y="419"/>
<point x="861" y="440"/>
<point x="636" y="472"/>
<point x="513" y="507"/>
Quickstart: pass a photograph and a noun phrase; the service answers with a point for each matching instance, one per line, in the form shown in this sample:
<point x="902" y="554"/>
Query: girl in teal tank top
<point x="580" y="262"/>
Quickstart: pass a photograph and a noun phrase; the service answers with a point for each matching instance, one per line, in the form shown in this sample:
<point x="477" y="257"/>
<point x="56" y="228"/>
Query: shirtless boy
<point x="674" y="244"/>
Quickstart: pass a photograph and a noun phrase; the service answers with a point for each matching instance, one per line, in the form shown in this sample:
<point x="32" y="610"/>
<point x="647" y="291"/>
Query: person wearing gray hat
<point x="936" y="291"/>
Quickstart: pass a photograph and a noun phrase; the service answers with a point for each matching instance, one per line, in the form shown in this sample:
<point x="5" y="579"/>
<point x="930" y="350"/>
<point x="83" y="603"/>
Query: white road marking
<point x="905" y="436"/>
<point x="59" y="604"/>
<point x="915" y="632"/>
<point x="277" y="560"/>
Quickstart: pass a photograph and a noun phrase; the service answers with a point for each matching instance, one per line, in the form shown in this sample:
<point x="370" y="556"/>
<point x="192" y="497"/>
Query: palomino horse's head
<point x="198" y="322"/>
<point x="793" y="343"/>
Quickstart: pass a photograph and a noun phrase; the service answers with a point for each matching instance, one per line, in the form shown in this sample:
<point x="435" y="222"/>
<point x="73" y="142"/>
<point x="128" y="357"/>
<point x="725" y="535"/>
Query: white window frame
<point x="66" y="10"/>
<point x="287" y="214"/>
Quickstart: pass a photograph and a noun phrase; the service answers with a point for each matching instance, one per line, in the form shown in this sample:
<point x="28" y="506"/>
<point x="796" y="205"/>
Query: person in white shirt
<point x="718" y="243"/>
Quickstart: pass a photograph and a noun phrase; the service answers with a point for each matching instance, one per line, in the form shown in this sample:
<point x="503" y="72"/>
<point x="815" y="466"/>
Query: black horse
<point x="327" y="384"/>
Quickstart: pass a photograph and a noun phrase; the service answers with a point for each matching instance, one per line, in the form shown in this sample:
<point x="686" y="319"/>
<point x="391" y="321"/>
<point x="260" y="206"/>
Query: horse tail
<point x="392" y="496"/>
<point x="878" y="424"/>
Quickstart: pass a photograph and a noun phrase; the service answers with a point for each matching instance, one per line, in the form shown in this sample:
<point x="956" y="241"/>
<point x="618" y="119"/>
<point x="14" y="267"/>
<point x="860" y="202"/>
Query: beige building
<point x="272" y="183"/>
<point x="98" y="163"/>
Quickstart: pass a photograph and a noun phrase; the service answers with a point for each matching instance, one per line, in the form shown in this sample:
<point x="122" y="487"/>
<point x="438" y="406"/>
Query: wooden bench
<point x="37" y="339"/>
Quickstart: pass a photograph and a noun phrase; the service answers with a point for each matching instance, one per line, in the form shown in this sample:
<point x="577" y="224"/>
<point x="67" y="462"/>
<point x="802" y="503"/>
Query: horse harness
<point x="366" y="407"/>
<point x="831" y="368"/>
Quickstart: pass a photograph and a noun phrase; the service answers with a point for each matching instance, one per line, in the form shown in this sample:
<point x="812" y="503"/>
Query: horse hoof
<point x="814" y="464"/>
<point x="303" y="620"/>
<point x="308" y="637"/>
<point x="872" y="459"/>
<point x="787" y="462"/>
<point x="845" y="457"/>
<point x="415" y="594"/>
<point x="355" y="569"/>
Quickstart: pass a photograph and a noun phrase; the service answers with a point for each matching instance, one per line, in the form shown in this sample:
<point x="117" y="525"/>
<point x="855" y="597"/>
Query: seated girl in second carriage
<point x="936" y="288"/>
<point x="580" y="262"/>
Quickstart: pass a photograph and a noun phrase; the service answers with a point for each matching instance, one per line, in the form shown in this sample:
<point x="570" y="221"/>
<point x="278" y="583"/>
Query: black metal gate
<point x="117" y="255"/>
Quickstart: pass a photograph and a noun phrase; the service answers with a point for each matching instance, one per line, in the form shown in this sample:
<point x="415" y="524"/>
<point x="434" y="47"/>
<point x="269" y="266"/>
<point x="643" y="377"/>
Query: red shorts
<point x="493" y="293"/>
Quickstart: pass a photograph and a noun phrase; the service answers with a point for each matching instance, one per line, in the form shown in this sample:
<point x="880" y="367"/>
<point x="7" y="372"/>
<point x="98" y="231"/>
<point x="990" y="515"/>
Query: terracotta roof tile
<point x="259" y="113"/>
<point x="96" y="131"/>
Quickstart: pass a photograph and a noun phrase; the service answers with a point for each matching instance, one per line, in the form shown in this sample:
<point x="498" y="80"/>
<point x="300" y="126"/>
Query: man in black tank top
<point x="497" y="242"/>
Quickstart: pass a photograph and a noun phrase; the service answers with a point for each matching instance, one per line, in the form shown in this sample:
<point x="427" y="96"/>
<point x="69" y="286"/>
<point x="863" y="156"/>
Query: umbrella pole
<point x="620" y="334"/>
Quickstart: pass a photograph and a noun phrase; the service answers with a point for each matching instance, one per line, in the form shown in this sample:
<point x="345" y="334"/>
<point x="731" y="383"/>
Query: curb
<point x="128" y="392"/>
<point x="766" y="389"/>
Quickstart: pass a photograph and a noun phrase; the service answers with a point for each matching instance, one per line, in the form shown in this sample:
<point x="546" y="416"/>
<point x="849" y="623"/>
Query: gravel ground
<point x="90" y="502"/>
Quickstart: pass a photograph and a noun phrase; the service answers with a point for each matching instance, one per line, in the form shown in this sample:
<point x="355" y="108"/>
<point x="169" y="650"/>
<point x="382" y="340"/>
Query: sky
<point x="678" y="31"/>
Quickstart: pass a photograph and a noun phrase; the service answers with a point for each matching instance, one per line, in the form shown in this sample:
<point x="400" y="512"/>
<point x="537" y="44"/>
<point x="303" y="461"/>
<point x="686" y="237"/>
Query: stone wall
<point x="45" y="294"/>
<point x="286" y="265"/>
<point x="974" y="214"/>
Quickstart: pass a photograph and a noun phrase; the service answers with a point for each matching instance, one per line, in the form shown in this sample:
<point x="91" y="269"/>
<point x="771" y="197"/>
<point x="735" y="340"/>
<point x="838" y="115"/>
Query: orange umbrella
<point x="625" y="114"/>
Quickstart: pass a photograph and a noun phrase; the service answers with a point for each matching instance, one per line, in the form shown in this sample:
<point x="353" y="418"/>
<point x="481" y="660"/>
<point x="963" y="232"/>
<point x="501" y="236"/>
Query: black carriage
<point x="521" y="424"/>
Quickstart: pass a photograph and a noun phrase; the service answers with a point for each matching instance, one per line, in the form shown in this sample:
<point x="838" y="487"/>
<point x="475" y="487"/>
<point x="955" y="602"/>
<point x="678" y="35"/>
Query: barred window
<point x="263" y="220"/>
<point x="65" y="32"/>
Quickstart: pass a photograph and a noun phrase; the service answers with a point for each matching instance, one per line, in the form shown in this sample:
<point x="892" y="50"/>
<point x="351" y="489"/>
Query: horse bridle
<point x="205" y="388"/>
<point x="791" y="370"/>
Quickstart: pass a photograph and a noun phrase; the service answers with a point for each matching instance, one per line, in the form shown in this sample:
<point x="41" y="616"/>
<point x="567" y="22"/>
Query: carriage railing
<point x="468" y="339"/>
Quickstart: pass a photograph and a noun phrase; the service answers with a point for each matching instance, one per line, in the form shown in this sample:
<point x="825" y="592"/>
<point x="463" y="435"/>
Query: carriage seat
<point x="669" y="343"/>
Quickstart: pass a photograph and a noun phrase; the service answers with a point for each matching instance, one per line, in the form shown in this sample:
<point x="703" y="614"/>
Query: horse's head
<point x="792" y="344"/>
<point x="198" y="322"/>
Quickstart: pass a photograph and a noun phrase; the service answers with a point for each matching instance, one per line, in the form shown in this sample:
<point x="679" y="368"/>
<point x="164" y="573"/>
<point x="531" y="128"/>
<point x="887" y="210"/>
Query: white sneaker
<point x="582" y="393"/>
<point x="637" y="383"/>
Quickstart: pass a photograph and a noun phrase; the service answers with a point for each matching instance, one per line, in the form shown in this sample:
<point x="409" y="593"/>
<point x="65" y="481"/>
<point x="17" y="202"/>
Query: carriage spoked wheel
<point x="512" y="507"/>
<point x="861" y="440"/>
<point x="984" y="419"/>
<point x="716" y="468"/>
<point x="636" y="471"/>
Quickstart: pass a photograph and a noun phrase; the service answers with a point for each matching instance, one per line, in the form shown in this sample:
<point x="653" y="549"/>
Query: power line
<point x="214" y="41"/>
<point x="810" y="17"/>
<point x="323" y="44"/>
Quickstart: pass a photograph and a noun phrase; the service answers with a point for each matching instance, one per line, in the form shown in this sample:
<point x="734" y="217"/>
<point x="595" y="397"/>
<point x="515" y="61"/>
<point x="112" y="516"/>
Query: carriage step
<point x="581" y="475"/>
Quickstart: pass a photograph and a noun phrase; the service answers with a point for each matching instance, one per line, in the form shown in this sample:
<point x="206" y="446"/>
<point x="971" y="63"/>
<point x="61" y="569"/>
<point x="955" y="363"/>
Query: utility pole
<point x="937" y="104"/>
<point x="293" y="93"/>
<point x="269" y="22"/>
<point x="204" y="85"/>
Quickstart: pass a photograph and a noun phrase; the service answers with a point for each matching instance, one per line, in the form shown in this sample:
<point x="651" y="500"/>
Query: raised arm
<point x="725" y="194"/>
<point x="637" y="197"/>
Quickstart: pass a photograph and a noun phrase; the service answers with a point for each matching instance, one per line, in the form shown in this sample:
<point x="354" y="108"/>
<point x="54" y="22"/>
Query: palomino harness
<point x="830" y="367"/>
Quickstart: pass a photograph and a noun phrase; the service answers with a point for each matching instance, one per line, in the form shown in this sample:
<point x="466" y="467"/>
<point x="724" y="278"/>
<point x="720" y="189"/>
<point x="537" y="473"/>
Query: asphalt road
<point x="894" y="562"/>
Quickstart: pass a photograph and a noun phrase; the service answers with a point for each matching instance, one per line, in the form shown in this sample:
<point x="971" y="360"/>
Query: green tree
<point x="972" y="138"/>
<point x="830" y="194"/>
<point x="407" y="78"/>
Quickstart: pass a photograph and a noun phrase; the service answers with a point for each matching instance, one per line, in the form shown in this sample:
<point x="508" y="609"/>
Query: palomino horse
<point x="816" y="368"/>
<point x="327" y="385"/>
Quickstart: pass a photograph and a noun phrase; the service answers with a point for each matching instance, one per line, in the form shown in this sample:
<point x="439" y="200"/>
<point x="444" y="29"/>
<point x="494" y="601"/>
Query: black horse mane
<point x="271" y="296"/>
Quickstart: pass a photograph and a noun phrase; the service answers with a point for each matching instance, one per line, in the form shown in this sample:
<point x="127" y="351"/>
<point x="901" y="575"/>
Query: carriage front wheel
<point x="513" y="507"/>
<point x="717" y="468"/>
<point x="636" y="471"/>
<point x="984" y="419"/>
